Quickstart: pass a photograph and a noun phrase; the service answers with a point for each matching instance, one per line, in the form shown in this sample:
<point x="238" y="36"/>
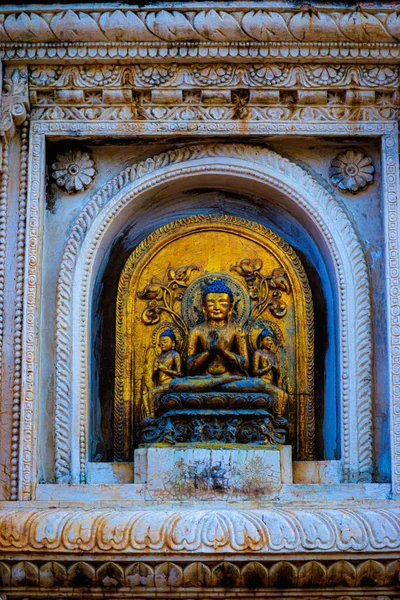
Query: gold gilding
<point x="263" y="332"/>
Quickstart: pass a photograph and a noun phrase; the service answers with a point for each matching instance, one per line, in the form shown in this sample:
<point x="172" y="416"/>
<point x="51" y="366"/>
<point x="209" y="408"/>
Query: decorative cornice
<point x="214" y="93"/>
<point x="269" y="530"/>
<point x="193" y="22"/>
<point x="267" y="31"/>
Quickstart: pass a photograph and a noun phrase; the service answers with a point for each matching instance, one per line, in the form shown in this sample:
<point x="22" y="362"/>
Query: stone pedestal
<point x="209" y="473"/>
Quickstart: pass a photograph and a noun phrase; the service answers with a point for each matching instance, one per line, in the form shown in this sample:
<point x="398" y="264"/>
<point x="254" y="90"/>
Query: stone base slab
<point x="207" y="473"/>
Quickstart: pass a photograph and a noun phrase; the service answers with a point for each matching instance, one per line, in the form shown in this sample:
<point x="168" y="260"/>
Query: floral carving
<point x="268" y="74"/>
<point x="184" y="531"/>
<point x="163" y="295"/>
<point x="219" y="74"/>
<point x="155" y="74"/>
<point x="15" y="102"/>
<point x="351" y="171"/>
<point x="265" y="290"/>
<point x="73" y="171"/>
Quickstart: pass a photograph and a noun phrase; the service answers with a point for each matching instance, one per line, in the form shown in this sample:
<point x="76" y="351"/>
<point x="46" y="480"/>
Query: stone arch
<point x="101" y="218"/>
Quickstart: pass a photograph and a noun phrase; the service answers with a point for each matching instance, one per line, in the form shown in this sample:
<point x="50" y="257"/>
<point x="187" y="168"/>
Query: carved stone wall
<point x="299" y="105"/>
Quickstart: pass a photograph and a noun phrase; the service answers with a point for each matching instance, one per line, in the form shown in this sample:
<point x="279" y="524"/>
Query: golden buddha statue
<point x="219" y="380"/>
<point x="217" y="363"/>
<point x="217" y="357"/>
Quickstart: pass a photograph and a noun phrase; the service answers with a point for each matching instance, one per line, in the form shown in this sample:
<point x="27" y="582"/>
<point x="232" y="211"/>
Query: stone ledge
<point x="208" y="531"/>
<point x="106" y="494"/>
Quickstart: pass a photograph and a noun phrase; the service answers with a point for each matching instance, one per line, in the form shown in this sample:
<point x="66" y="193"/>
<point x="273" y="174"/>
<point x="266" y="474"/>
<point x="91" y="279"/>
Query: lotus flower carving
<point x="351" y="171"/>
<point x="74" y="171"/>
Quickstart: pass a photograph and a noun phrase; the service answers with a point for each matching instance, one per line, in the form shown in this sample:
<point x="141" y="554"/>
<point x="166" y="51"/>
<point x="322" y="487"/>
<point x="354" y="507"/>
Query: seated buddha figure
<point x="217" y="357"/>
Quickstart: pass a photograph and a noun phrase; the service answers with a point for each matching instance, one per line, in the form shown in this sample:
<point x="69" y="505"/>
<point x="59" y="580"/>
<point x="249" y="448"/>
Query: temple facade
<point x="199" y="301"/>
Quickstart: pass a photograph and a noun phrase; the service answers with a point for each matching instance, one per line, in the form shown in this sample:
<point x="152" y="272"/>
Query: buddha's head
<point x="167" y="340"/>
<point x="217" y="301"/>
<point x="265" y="341"/>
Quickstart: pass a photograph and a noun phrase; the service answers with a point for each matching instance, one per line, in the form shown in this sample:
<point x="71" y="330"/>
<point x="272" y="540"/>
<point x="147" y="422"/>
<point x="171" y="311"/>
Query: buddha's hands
<point x="217" y="344"/>
<point x="160" y="366"/>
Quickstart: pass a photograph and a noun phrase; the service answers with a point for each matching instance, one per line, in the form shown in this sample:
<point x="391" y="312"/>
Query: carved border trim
<point x="270" y="530"/>
<point x="3" y="238"/>
<point x="324" y="210"/>
<point x="288" y="126"/>
<point x="339" y="52"/>
<point x="18" y="309"/>
<point x="391" y="191"/>
<point x="149" y="576"/>
<point x="30" y="326"/>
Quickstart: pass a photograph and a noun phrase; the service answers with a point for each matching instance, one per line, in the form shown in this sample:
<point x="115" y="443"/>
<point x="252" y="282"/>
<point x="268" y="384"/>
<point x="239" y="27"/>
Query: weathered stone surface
<point x="218" y="473"/>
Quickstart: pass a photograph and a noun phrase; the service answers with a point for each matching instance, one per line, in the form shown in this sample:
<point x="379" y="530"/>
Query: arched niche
<point x="243" y="169"/>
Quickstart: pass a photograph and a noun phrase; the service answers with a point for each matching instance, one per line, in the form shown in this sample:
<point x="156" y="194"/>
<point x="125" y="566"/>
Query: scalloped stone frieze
<point x="199" y="574"/>
<point x="213" y="75"/>
<point x="276" y="530"/>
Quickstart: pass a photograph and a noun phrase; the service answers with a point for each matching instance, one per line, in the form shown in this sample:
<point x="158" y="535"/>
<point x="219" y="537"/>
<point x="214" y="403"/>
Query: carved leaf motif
<point x="392" y="22"/>
<point x="24" y="573"/>
<point x="124" y="26"/>
<point x="218" y="26"/>
<point x="360" y="26"/>
<point x="196" y="575"/>
<point x="168" y="575"/>
<point x="312" y="574"/>
<point x="266" y="26"/>
<point x="81" y="574"/>
<point x="225" y="575"/>
<point x="342" y="573"/>
<point x="177" y="28"/>
<point x="308" y="26"/>
<point x="71" y="26"/>
<point x="265" y="290"/>
<point x="29" y="27"/>
<point x="283" y="574"/>
<point x="110" y="575"/>
<point x="371" y="572"/>
<point x="51" y="574"/>
<point x="254" y="575"/>
<point x="139" y="574"/>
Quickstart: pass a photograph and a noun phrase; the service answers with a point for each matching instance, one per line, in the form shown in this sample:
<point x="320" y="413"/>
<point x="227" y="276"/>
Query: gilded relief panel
<point x="177" y="354"/>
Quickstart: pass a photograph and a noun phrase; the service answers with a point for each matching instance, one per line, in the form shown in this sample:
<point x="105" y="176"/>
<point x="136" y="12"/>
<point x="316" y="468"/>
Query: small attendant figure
<point x="266" y="366"/>
<point x="265" y="361"/>
<point x="166" y="366"/>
